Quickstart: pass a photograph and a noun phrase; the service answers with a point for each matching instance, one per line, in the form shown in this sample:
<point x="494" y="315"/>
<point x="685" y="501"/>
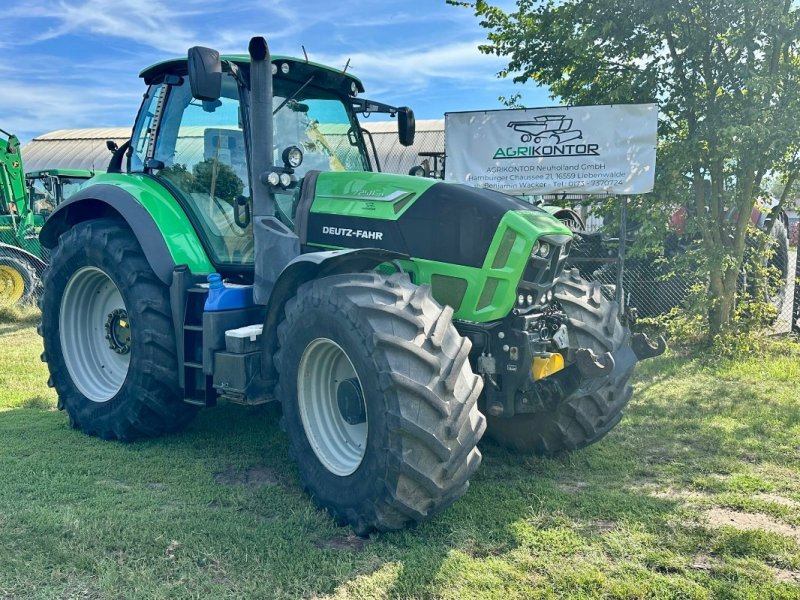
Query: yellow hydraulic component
<point x="12" y="285"/>
<point x="544" y="367"/>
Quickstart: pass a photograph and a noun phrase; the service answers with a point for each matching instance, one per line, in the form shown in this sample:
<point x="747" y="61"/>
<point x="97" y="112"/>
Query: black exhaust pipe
<point x="275" y="244"/>
<point x="261" y="125"/>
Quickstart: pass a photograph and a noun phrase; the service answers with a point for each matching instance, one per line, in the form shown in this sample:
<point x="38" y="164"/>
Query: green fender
<point x="154" y="215"/>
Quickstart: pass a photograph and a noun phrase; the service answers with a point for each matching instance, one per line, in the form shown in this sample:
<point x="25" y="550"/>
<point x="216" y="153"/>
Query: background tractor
<point x="25" y="201"/>
<point x="241" y="249"/>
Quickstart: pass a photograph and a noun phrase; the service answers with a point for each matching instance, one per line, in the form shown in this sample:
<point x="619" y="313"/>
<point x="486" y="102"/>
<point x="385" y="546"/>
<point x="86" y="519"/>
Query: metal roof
<point x="86" y="148"/>
<point x="72" y="149"/>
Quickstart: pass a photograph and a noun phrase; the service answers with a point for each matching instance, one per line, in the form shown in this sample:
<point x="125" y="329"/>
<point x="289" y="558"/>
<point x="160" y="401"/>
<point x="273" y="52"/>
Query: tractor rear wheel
<point x="379" y="399"/>
<point x="17" y="281"/>
<point x="108" y="335"/>
<point x="595" y="407"/>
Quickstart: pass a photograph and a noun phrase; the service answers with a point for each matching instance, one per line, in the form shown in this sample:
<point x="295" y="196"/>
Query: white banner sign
<point x="579" y="150"/>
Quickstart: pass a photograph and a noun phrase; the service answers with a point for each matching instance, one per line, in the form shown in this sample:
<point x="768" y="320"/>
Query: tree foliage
<point x="725" y="74"/>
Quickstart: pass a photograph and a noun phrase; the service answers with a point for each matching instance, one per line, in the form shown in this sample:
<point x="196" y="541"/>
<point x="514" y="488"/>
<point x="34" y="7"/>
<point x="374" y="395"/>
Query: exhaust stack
<point x="261" y="126"/>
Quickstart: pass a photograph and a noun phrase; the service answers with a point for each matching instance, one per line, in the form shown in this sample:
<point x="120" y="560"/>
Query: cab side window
<point x="201" y="147"/>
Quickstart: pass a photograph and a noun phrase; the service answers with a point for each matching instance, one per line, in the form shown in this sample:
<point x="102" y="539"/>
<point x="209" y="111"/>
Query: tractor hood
<point x="473" y="246"/>
<point x="419" y="217"/>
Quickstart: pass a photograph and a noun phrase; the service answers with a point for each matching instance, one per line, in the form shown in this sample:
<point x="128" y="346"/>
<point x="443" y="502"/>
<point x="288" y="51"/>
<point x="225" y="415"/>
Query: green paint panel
<point x="364" y="194"/>
<point x="181" y="238"/>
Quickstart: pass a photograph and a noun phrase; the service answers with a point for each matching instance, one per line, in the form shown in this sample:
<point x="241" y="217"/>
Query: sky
<point x="75" y="63"/>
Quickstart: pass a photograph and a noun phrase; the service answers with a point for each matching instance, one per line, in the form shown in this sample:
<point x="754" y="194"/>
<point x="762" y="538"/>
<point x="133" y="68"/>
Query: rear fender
<point x="107" y="200"/>
<point x="567" y="216"/>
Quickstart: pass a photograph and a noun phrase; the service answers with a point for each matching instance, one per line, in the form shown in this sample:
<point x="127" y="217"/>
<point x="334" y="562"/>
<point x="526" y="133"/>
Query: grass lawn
<point x="695" y="495"/>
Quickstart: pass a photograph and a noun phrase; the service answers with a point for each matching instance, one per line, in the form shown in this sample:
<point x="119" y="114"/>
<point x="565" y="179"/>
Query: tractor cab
<point x="199" y="149"/>
<point x="49" y="187"/>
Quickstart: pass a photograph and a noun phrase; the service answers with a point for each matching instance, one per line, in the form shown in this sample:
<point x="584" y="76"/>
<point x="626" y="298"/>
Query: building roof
<point x="86" y="148"/>
<point x="72" y="149"/>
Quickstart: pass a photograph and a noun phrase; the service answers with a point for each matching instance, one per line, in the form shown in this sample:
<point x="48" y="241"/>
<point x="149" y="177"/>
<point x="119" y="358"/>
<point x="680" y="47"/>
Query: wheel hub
<point x="351" y="402"/>
<point x="118" y="331"/>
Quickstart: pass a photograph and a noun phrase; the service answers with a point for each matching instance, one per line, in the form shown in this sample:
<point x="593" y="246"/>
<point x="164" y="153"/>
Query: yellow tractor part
<point x="545" y="366"/>
<point x="12" y="285"/>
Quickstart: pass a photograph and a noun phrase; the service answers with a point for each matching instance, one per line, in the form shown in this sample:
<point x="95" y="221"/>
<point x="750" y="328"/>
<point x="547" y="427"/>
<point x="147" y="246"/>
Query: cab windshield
<point x="48" y="191"/>
<point x="317" y="122"/>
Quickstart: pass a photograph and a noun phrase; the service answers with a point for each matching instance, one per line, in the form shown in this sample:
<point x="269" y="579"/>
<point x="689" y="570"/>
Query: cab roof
<point x="60" y="173"/>
<point x="297" y="66"/>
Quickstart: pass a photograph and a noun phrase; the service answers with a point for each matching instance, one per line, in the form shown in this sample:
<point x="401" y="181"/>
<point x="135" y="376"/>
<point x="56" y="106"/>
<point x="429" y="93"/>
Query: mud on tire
<point x="148" y="402"/>
<point x="590" y="412"/>
<point x="419" y="392"/>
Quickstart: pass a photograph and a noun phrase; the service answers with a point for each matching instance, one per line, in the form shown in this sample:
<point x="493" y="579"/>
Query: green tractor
<point x="25" y="201"/>
<point x="240" y="249"/>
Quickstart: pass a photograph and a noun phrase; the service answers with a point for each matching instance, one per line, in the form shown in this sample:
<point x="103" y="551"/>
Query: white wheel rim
<point x="90" y="305"/>
<point x="338" y="444"/>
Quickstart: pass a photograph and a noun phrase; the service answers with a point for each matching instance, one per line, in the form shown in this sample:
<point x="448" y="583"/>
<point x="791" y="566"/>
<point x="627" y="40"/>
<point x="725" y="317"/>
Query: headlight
<point x="286" y="180"/>
<point x="535" y="249"/>
<point x="544" y="250"/>
<point x="292" y="157"/>
<point x="353" y="88"/>
<point x="285" y="68"/>
<point x="273" y="178"/>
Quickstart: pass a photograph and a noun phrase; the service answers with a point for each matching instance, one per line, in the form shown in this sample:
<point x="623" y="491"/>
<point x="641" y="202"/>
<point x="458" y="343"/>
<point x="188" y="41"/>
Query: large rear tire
<point x="108" y="336"/>
<point x="590" y="412"/>
<point x="379" y="399"/>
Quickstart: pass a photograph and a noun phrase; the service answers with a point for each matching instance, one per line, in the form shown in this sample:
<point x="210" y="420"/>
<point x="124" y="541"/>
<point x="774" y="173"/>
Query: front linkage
<point x="553" y="359"/>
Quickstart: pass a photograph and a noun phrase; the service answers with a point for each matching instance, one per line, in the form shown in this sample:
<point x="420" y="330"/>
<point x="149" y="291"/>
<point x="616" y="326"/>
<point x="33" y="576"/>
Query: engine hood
<point x="422" y="218"/>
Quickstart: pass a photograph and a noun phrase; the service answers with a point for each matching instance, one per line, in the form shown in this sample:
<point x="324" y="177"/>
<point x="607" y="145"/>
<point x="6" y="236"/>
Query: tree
<point x="725" y="74"/>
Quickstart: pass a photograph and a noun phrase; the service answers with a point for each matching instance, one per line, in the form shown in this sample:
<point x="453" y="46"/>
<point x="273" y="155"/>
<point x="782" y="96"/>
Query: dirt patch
<point x="574" y="486"/>
<point x="774" y="498"/>
<point x="786" y="576"/>
<point x="720" y="517"/>
<point x="602" y="526"/>
<point x="343" y="542"/>
<point x="256" y="477"/>
<point x="703" y="562"/>
<point x="678" y="494"/>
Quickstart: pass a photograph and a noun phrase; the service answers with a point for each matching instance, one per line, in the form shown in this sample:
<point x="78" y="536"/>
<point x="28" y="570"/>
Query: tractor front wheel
<point x="586" y="415"/>
<point x="108" y="335"/>
<point x="379" y="399"/>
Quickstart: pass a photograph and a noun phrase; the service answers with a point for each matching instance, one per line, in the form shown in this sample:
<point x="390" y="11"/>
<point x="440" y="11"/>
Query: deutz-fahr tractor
<point x="25" y="201"/>
<point x="240" y="249"/>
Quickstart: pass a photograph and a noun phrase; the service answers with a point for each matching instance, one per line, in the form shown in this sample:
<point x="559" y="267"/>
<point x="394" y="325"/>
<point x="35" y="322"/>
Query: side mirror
<point x="205" y="73"/>
<point x="406" y="125"/>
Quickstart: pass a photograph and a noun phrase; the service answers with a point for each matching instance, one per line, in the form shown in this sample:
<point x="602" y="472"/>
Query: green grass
<point x="217" y="512"/>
